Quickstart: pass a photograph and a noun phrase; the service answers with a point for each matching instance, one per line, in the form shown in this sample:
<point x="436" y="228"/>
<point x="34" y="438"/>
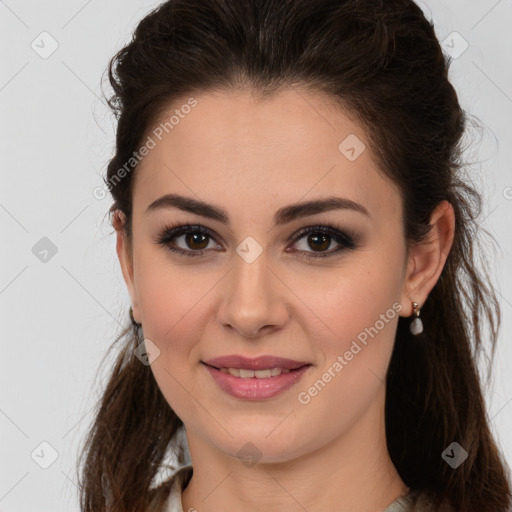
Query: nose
<point x="254" y="299"/>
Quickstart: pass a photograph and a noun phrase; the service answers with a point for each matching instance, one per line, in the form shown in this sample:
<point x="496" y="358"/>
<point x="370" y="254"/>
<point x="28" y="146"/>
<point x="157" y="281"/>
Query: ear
<point x="125" y="259"/>
<point x="427" y="259"/>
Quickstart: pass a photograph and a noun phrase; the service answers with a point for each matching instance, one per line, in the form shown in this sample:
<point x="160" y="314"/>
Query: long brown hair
<point x="381" y="60"/>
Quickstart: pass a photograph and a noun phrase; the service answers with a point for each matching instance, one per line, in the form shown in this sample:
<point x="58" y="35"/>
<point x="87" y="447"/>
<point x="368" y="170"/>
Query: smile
<point x="255" y="384"/>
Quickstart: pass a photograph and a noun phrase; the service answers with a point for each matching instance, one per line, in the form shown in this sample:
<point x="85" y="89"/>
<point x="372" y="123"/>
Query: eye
<point x="195" y="240"/>
<point x="320" y="238"/>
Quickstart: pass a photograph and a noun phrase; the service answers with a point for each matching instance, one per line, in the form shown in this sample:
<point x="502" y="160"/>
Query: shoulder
<point x="167" y="496"/>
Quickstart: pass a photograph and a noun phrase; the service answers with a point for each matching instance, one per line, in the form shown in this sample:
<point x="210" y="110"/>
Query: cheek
<point x="173" y="301"/>
<point x="355" y="350"/>
<point x="358" y="307"/>
<point x="351" y="298"/>
<point x="169" y="294"/>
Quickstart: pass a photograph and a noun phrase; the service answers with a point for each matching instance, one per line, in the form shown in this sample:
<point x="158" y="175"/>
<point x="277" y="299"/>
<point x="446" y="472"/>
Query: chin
<point x="259" y="447"/>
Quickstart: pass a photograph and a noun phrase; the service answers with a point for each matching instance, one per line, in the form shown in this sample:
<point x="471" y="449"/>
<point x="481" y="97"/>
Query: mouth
<point x="261" y="384"/>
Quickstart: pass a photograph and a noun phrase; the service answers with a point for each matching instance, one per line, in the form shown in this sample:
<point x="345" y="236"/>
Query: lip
<point x="254" y="363"/>
<point x="254" y="388"/>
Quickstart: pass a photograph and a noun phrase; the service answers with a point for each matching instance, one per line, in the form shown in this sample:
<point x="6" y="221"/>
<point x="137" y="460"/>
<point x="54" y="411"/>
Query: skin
<point x="251" y="158"/>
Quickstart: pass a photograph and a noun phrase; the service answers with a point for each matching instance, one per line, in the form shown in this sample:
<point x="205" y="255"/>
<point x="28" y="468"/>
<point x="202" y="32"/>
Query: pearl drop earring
<point x="416" y="326"/>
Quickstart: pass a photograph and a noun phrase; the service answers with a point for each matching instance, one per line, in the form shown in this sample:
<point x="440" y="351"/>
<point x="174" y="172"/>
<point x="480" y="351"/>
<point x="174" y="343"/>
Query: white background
<point x="59" y="317"/>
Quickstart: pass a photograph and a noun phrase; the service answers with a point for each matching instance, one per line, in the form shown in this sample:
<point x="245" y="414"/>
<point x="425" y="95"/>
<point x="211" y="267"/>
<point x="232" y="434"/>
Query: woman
<point x="298" y="249"/>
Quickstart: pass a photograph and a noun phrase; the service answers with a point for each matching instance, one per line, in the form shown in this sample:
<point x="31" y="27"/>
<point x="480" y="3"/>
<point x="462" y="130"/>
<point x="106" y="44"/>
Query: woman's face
<point x="247" y="288"/>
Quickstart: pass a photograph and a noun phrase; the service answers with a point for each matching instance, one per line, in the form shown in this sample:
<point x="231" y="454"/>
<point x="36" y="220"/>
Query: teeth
<point x="259" y="374"/>
<point x="264" y="374"/>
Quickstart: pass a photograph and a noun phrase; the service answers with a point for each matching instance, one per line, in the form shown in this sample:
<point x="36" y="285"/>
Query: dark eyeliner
<point x="172" y="231"/>
<point x="346" y="241"/>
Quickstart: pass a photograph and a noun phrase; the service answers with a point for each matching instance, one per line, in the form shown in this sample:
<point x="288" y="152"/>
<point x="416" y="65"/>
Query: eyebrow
<point x="282" y="216"/>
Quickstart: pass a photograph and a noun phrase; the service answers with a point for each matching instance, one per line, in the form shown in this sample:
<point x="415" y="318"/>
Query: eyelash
<point x="346" y="241"/>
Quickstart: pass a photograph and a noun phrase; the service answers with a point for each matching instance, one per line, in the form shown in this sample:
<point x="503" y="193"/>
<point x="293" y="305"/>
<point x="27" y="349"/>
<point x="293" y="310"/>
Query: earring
<point x="416" y="326"/>
<point x="135" y="324"/>
<point x="137" y="329"/>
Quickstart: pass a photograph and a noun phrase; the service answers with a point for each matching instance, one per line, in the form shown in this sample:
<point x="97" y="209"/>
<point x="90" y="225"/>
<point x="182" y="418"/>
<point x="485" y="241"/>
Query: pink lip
<point x="254" y="363"/>
<point x="254" y="388"/>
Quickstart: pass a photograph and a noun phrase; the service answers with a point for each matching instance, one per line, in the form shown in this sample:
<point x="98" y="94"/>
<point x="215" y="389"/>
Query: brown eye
<point x="196" y="240"/>
<point x="320" y="238"/>
<point x="319" y="242"/>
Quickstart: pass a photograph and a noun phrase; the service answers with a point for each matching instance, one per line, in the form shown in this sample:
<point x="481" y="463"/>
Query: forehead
<point x="237" y="149"/>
